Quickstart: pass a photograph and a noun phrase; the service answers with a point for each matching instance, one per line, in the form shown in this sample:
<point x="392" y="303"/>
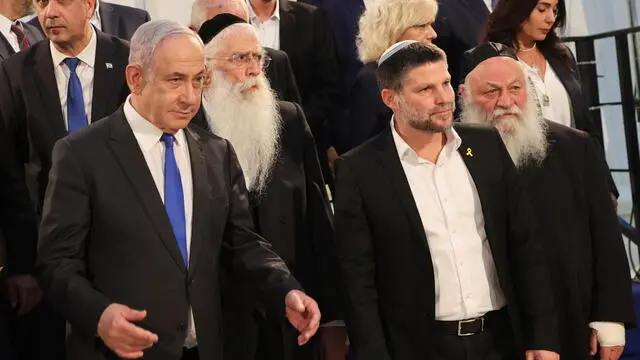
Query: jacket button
<point x="191" y="282"/>
<point x="181" y="327"/>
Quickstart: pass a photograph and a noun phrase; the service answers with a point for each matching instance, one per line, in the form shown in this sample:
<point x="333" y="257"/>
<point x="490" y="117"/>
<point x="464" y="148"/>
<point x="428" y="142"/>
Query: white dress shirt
<point x="95" y="19"/>
<point x="85" y="72"/>
<point x="5" y="30"/>
<point x="269" y="30"/>
<point x="466" y="282"/>
<point x="148" y="137"/>
<point x="558" y="107"/>
<point x="488" y="3"/>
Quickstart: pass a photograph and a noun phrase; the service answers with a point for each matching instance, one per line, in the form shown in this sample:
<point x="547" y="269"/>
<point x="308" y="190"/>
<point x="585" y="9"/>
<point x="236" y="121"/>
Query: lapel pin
<point x="109" y="65"/>
<point x="469" y="152"/>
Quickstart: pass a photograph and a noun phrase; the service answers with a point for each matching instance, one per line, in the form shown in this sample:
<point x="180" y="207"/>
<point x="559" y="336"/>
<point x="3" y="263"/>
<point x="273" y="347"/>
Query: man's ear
<point x="389" y="97"/>
<point x="135" y="79"/>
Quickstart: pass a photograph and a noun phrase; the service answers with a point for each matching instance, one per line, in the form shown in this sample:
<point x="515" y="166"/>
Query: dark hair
<point x="505" y="22"/>
<point x="391" y="72"/>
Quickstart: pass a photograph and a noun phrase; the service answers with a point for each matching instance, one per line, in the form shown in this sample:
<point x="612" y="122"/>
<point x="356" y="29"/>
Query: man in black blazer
<point x="142" y="214"/>
<point x="434" y="232"/>
<point x="565" y="176"/>
<point x="459" y="25"/>
<point x="37" y="96"/>
<point x="18" y="240"/>
<point x="289" y="203"/>
<point x="303" y="32"/>
<point x="14" y="34"/>
<point x="278" y="70"/>
<point x="114" y="19"/>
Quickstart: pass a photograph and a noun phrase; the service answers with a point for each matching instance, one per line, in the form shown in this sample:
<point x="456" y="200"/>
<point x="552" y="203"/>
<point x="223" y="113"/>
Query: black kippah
<point x="211" y="28"/>
<point x="480" y="53"/>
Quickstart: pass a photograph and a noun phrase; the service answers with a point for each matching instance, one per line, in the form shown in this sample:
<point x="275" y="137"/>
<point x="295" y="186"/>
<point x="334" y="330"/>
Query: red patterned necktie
<point x="17" y="29"/>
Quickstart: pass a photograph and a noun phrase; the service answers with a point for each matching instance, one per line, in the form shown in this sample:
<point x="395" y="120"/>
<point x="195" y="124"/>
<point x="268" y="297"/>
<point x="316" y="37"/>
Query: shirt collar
<point x="87" y="55"/>
<point x="5" y="26"/>
<point x="253" y="17"/>
<point x="147" y="134"/>
<point x="453" y="142"/>
<point x="95" y="19"/>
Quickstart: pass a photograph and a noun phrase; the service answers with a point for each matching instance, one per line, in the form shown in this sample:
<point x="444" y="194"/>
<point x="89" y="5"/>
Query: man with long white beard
<point x="277" y="154"/>
<point x="565" y="178"/>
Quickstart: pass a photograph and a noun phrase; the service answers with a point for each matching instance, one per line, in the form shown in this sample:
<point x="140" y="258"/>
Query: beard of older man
<point x="250" y="120"/>
<point x="524" y="133"/>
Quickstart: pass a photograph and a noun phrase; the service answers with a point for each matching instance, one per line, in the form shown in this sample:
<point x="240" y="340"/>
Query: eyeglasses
<point x="245" y="59"/>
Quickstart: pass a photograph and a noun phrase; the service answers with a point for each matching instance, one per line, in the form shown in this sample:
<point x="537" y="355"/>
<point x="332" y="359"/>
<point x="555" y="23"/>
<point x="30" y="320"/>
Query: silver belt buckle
<point x="461" y="322"/>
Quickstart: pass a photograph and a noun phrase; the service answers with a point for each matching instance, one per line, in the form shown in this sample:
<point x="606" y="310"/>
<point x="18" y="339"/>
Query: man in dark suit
<point x="118" y="20"/>
<point x="53" y="88"/>
<point x="434" y="232"/>
<point x="290" y="208"/>
<point x="142" y="214"/>
<point x="343" y="16"/>
<point x="302" y="31"/>
<point x="564" y="174"/>
<point x="18" y="239"/>
<point x="459" y="25"/>
<point x="278" y="70"/>
<point x="14" y="34"/>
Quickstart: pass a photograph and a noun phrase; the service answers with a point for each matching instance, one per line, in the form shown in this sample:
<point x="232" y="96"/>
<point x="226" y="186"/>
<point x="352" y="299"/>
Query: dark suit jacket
<point x="117" y="20"/>
<point x="30" y="104"/>
<point x="32" y="33"/>
<point x="293" y="214"/>
<point x="581" y="237"/>
<point x="385" y="260"/>
<point x="343" y="16"/>
<point x="105" y="238"/>
<point x="368" y="114"/>
<point x="18" y="224"/>
<point x="280" y="75"/>
<point x="306" y="37"/>
<point x="459" y="25"/>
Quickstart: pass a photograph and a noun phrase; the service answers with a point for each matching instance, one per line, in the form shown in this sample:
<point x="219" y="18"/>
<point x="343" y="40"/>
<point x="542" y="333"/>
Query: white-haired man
<point x="278" y="70"/>
<point x="277" y="154"/>
<point x="565" y="177"/>
<point x="142" y="214"/>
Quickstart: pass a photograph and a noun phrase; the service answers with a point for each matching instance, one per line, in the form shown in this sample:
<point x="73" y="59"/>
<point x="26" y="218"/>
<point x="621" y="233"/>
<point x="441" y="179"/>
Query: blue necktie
<point x="173" y="196"/>
<point x="76" y="116"/>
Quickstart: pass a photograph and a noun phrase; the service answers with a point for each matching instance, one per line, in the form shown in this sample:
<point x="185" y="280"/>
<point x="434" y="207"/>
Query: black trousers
<point x="40" y="334"/>
<point x="495" y="343"/>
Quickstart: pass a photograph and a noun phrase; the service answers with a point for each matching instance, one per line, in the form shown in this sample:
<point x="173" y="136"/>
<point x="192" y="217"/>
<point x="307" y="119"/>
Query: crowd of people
<point x="313" y="180"/>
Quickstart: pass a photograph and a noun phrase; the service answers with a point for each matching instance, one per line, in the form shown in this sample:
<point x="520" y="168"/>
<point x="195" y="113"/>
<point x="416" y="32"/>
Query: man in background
<point x="14" y="34"/>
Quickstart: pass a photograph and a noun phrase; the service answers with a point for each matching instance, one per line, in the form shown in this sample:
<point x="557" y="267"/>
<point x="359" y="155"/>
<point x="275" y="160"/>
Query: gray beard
<point x="250" y="122"/>
<point x="525" y="137"/>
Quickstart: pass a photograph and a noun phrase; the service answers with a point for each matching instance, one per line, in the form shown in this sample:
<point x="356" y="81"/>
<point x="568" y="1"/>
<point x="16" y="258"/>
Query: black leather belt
<point x="470" y="327"/>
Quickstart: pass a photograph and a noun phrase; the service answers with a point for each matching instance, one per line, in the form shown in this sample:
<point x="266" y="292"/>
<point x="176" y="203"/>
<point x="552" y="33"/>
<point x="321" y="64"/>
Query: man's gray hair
<point x="147" y="38"/>
<point x="199" y="10"/>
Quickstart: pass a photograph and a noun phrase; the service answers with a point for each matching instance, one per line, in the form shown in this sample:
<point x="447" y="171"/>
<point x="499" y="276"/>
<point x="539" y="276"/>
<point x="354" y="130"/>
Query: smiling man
<point x="434" y="236"/>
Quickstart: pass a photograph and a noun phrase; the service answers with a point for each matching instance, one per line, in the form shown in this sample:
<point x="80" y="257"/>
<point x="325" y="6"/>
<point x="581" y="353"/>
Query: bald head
<point x="203" y="10"/>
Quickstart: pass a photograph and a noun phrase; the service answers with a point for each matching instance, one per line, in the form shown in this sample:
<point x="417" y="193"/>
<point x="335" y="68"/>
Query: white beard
<point x="251" y="122"/>
<point x="525" y="136"/>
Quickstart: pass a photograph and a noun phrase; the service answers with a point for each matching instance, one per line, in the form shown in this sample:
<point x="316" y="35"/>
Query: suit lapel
<point x="107" y="20"/>
<point x="44" y="83"/>
<point x="127" y="151"/>
<point x="478" y="163"/>
<point x="104" y="77"/>
<point x="6" y="49"/>
<point x="287" y="28"/>
<point x="393" y="168"/>
<point x="201" y="192"/>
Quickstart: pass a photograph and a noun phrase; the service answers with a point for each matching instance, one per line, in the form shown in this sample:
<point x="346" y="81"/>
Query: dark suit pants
<point x="494" y="343"/>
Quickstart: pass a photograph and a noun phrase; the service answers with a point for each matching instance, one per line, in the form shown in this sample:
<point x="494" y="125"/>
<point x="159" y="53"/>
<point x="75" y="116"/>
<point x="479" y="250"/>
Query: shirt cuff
<point x="609" y="333"/>
<point x="334" y="323"/>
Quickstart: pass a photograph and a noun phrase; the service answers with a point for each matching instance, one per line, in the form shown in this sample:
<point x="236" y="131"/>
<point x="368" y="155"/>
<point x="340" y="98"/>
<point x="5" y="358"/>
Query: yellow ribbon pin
<point x="469" y="153"/>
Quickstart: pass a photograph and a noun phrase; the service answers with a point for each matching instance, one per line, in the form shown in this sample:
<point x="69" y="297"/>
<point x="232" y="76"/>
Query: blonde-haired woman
<point x="383" y="23"/>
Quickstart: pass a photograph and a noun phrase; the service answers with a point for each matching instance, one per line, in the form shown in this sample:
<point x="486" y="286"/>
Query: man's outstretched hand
<point x="303" y="313"/>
